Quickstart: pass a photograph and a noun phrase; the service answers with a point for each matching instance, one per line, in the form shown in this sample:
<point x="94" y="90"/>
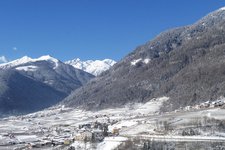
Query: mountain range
<point x="185" y="64"/>
<point x="95" y="67"/>
<point x="28" y="85"/>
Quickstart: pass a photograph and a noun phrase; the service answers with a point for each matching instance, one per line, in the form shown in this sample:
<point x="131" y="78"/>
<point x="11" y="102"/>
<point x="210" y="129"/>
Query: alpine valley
<point x="168" y="93"/>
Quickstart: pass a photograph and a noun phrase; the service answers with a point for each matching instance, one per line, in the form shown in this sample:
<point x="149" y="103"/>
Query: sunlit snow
<point x="111" y="143"/>
<point x="134" y="62"/>
<point x="145" y="61"/>
<point x="223" y="8"/>
<point x="27" y="68"/>
<point x="95" y="67"/>
<point x="27" y="59"/>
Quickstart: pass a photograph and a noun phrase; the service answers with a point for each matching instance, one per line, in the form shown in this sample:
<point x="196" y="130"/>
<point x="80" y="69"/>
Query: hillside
<point x="21" y="94"/>
<point x="29" y="85"/>
<point x="185" y="64"/>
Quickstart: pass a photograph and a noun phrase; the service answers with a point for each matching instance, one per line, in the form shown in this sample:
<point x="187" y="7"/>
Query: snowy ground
<point x="137" y="120"/>
<point x="111" y="143"/>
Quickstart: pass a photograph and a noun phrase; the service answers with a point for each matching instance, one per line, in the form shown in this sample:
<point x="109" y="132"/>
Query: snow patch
<point x="81" y="145"/>
<point x="134" y="62"/>
<point x="145" y="61"/>
<point x="27" y="138"/>
<point x="121" y="124"/>
<point x="111" y="143"/>
<point x="27" y="68"/>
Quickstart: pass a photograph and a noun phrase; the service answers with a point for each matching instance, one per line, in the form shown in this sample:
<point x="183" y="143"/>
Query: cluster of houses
<point x="208" y="104"/>
<point x="87" y="132"/>
<point x="63" y="135"/>
<point x="95" y="131"/>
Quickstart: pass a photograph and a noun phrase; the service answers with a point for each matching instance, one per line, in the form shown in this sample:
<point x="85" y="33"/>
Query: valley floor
<point x="138" y="126"/>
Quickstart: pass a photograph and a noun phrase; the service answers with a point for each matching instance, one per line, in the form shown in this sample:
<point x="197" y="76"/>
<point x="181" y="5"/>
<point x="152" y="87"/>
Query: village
<point x="64" y="128"/>
<point x="60" y="135"/>
<point x="205" y="105"/>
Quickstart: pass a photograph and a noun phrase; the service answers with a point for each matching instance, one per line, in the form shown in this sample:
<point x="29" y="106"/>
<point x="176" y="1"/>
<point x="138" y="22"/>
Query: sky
<point x="90" y="29"/>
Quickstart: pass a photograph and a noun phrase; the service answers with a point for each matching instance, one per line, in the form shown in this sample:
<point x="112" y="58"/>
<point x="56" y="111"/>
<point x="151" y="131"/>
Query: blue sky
<point x="90" y="29"/>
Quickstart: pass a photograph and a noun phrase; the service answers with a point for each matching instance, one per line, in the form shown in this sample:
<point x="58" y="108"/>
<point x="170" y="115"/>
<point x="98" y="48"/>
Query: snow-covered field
<point x="111" y="143"/>
<point x="137" y="120"/>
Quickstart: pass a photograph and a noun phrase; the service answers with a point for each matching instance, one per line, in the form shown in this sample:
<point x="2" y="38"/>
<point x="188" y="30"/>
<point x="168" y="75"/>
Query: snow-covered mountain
<point x="185" y="64"/>
<point x="51" y="71"/>
<point x="28" y="84"/>
<point x="95" y="67"/>
<point x="27" y="59"/>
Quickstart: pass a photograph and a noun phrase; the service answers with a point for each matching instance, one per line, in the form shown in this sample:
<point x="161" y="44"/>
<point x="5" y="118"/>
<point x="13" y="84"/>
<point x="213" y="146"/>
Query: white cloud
<point x="15" y="48"/>
<point x="3" y="59"/>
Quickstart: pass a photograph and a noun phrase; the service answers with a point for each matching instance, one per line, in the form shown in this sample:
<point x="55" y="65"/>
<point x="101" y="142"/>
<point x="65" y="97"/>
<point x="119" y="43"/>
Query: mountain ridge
<point x="95" y="67"/>
<point x="158" y="68"/>
<point x="29" y="85"/>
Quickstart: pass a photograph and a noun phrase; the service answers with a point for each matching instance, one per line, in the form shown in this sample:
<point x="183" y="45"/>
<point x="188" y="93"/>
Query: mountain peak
<point x="23" y="60"/>
<point x="26" y="59"/>
<point x="95" y="67"/>
<point x="48" y="57"/>
<point x="223" y="8"/>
